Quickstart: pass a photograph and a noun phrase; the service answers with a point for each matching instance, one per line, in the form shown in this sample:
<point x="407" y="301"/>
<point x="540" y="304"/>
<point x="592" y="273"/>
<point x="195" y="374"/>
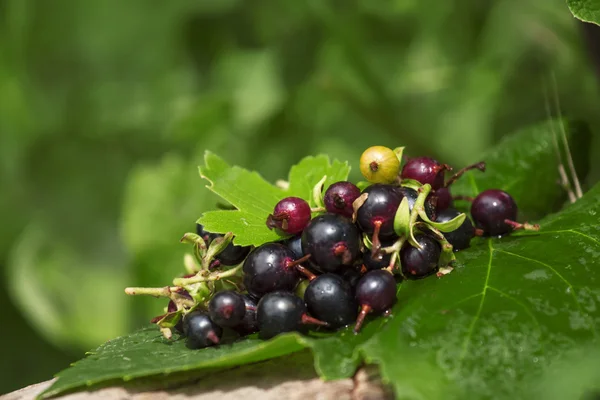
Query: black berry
<point x="232" y="254"/>
<point x="227" y="308"/>
<point x="280" y="312"/>
<point x="419" y="263"/>
<point x="411" y="196"/>
<point x="200" y="330"/>
<point x="295" y="245"/>
<point x="382" y="260"/>
<point x="268" y="268"/>
<point x="330" y="298"/>
<point x="376" y="216"/>
<point x="461" y="237"/>
<point x="443" y="199"/>
<point x="290" y="216"/>
<point x="339" y="197"/>
<point x="491" y="209"/>
<point x="375" y="293"/>
<point x="425" y="170"/>
<point x="248" y="324"/>
<point x="332" y="241"/>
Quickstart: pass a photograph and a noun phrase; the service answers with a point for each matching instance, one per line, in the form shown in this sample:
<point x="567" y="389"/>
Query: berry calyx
<point x="491" y="210"/>
<point x="339" y="197"/>
<point x="290" y="216"/>
<point x="425" y="170"/>
<point x="379" y="164"/>
<point x="280" y="312"/>
<point x="375" y="293"/>
<point x="200" y="330"/>
<point x="227" y="309"/>
<point x="417" y="262"/>
<point x="332" y="241"/>
<point x="268" y="268"/>
<point x="461" y="237"/>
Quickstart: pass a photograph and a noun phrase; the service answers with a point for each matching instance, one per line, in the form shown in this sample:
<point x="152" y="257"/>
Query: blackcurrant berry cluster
<point x="338" y="259"/>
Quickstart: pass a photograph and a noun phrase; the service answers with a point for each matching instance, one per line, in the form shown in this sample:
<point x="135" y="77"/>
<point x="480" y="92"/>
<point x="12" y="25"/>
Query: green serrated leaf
<point x="255" y="198"/>
<point x="585" y="10"/>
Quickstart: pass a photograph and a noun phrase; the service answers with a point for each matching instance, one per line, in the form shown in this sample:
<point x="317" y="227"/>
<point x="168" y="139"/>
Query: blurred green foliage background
<point x="106" y="108"/>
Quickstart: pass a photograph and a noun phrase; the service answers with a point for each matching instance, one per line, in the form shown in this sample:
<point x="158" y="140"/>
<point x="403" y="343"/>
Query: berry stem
<point x="376" y="244"/>
<point x="414" y="214"/>
<point x="308" y="320"/>
<point x="296" y="263"/>
<point x="204" y="276"/>
<point x="448" y="255"/>
<point x="317" y="209"/>
<point x="525" y="226"/>
<point x="156" y="292"/>
<point x="190" y="264"/>
<point x="480" y="166"/>
<point x="364" y="310"/>
<point x="465" y="198"/>
<point x="304" y="271"/>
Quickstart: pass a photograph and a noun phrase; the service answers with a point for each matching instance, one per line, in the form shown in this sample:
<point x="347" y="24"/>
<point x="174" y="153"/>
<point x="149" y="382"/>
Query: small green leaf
<point x="402" y="219"/>
<point x="585" y="10"/>
<point x="255" y="198"/>
<point x="447" y="226"/>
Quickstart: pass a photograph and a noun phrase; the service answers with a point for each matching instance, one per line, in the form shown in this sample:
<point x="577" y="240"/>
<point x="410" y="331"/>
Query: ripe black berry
<point x="419" y="263"/>
<point x="232" y="254"/>
<point x="379" y="164"/>
<point x="375" y="292"/>
<point x="295" y="245"/>
<point x="200" y="330"/>
<point x="268" y="268"/>
<point x="425" y="170"/>
<point x="290" y="216"/>
<point x="411" y="196"/>
<point x="227" y="308"/>
<point x="461" y="237"/>
<point x="280" y="312"/>
<point x="331" y="299"/>
<point x="443" y="199"/>
<point x="376" y="216"/>
<point x="332" y="242"/>
<point x="248" y="324"/>
<point x="339" y="197"/>
<point x="382" y="260"/>
<point x="491" y="209"/>
<point x="351" y="275"/>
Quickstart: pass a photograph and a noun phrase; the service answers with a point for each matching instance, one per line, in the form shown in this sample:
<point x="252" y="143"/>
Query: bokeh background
<point x="106" y="108"/>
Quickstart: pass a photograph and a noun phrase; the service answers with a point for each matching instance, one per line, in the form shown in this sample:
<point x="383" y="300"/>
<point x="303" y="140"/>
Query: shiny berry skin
<point x="279" y="312"/>
<point x="330" y="298"/>
<point x="200" y="330"/>
<point x="268" y="268"/>
<point x="248" y="325"/>
<point x="339" y="197"/>
<point x="233" y="254"/>
<point x="227" y="309"/>
<point x="379" y="164"/>
<point x="411" y="196"/>
<point x="290" y="216"/>
<point x="295" y="245"/>
<point x="332" y="240"/>
<point x="460" y="238"/>
<point x="351" y="275"/>
<point x="380" y="207"/>
<point x="491" y="208"/>
<point x="420" y="263"/>
<point x="424" y="170"/>
<point x="375" y="293"/>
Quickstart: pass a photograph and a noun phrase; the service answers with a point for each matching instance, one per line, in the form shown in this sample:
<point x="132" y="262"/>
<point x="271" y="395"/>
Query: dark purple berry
<point x="443" y="199"/>
<point x="332" y="241"/>
<point x="295" y="245"/>
<point x="280" y="312"/>
<point x="375" y="293"/>
<point x="378" y="211"/>
<point x="290" y="216"/>
<point x="419" y="263"/>
<point x="248" y="325"/>
<point x="425" y="170"/>
<point x="268" y="268"/>
<point x="351" y="275"/>
<point x="232" y="254"/>
<point x="382" y="260"/>
<point x="200" y="330"/>
<point x="491" y="209"/>
<point x="461" y="237"/>
<point x="339" y="197"/>
<point x="227" y="309"/>
<point x="330" y="298"/>
<point x="411" y="196"/>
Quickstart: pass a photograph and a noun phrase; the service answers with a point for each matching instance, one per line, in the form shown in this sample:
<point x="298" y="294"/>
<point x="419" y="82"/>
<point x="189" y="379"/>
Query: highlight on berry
<point x="342" y="253"/>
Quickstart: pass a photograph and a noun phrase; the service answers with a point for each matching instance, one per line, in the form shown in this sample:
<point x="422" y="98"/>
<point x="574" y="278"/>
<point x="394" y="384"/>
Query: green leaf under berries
<point x="254" y="198"/>
<point x="585" y="10"/>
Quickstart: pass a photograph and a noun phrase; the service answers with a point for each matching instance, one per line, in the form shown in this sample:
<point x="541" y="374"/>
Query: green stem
<point x="414" y="214"/>
<point x="203" y="276"/>
<point x="156" y="292"/>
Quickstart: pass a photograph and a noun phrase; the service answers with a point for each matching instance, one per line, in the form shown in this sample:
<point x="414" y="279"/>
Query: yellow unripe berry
<point x="379" y="164"/>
